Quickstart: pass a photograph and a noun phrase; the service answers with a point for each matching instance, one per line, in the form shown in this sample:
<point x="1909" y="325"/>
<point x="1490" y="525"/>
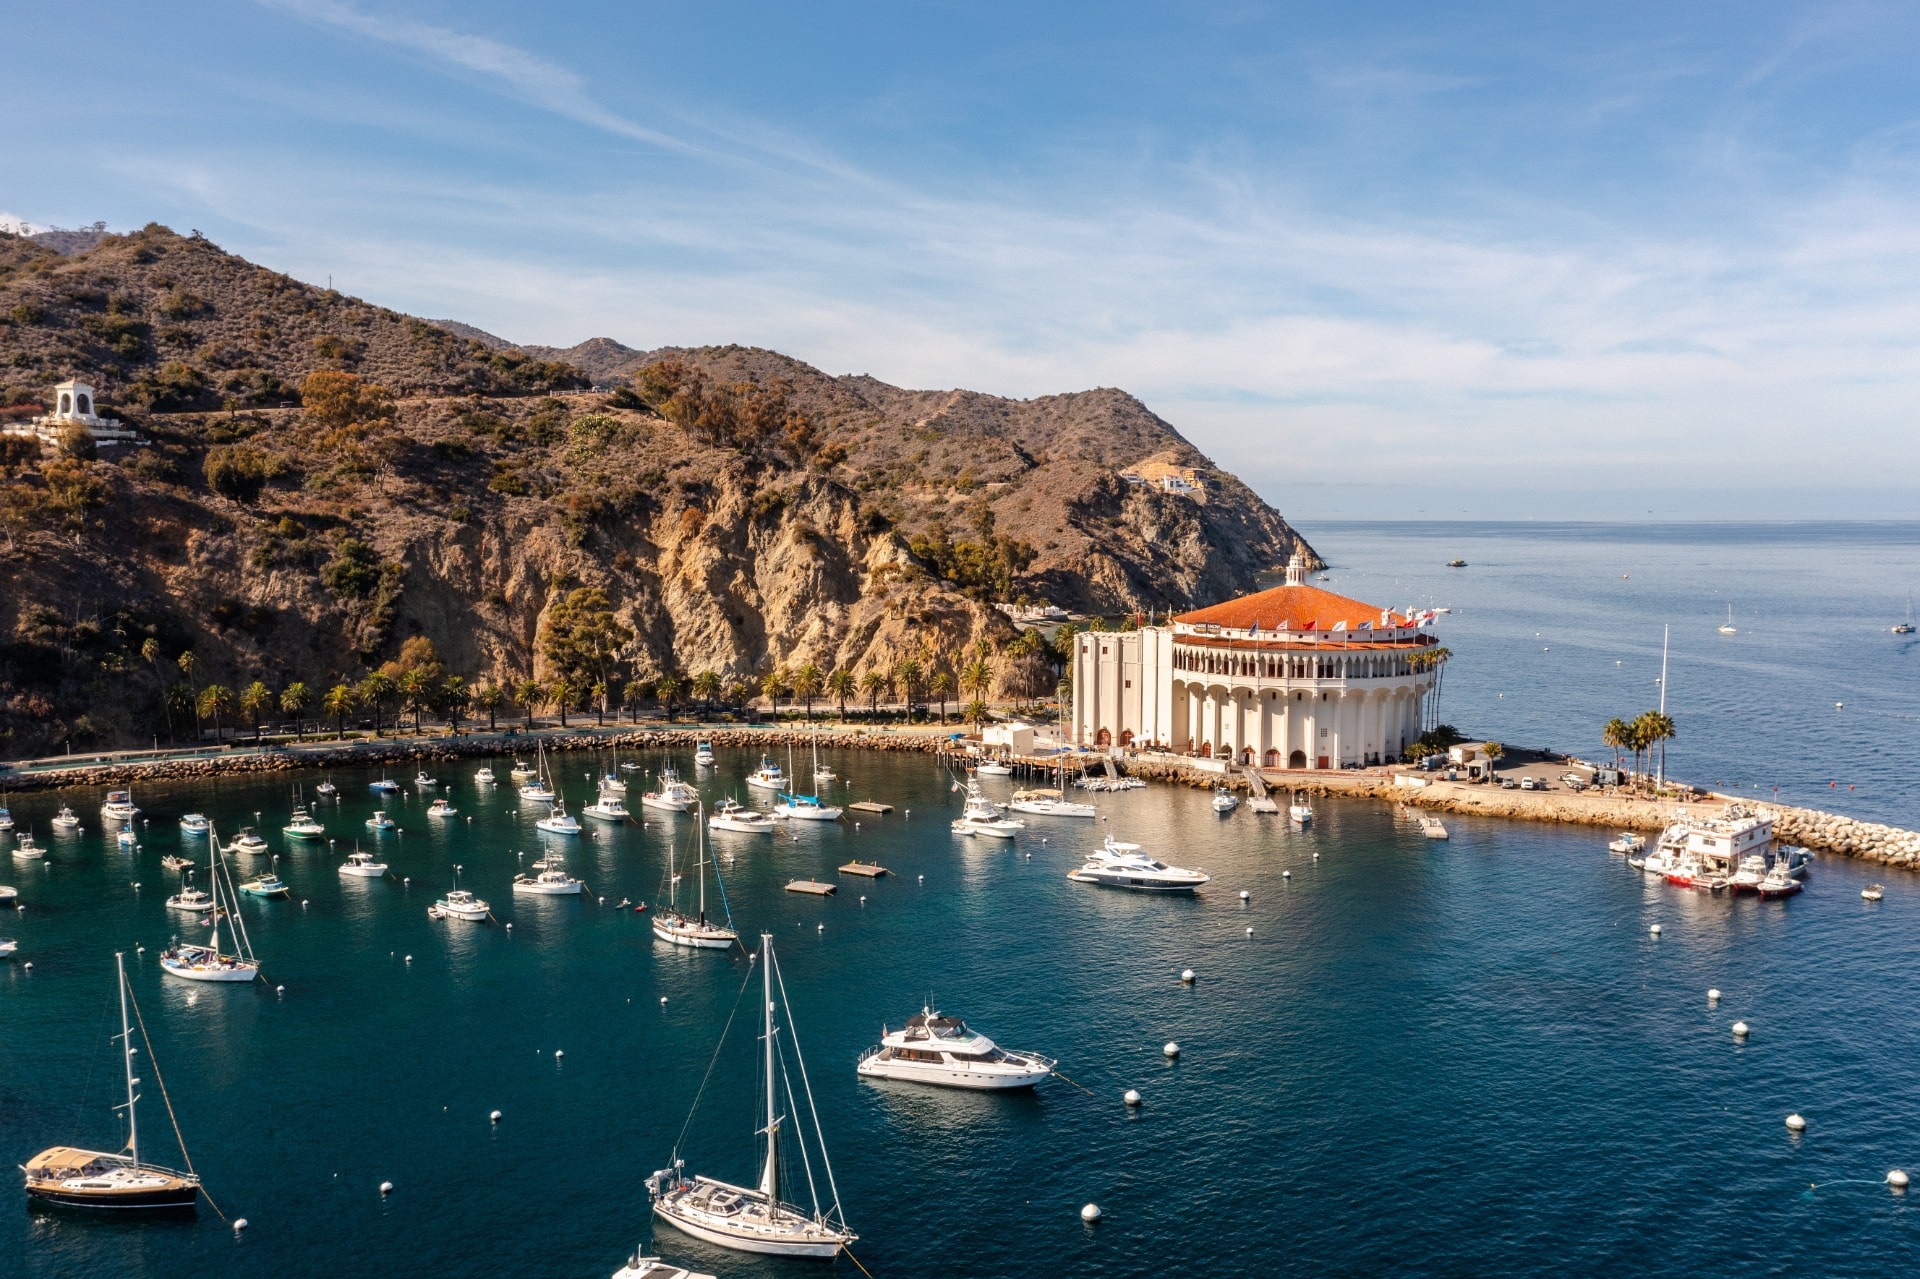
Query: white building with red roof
<point x="1292" y="677"/>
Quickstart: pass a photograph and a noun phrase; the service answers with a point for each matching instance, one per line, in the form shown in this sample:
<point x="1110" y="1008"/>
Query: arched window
<point x="86" y="406"/>
<point x="66" y="403"/>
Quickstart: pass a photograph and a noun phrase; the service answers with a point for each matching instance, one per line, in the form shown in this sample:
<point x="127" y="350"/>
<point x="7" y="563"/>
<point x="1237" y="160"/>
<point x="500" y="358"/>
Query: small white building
<point x="1014" y="737"/>
<point x="73" y="405"/>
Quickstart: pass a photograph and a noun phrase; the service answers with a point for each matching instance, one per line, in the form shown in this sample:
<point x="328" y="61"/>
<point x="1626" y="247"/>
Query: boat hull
<point x="599" y="814"/>
<point x="1054" y="810"/>
<point x="1131" y="883"/>
<point x="182" y="1197"/>
<point x="767" y="1243"/>
<point x="550" y="890"/>
<point x="664" y="805"/>
<point x="946" y="1077"/>
<point x="365" y="872"/>
<point x="809" y="814"/>
<point x="236" y="973"/>
<point x="691" y="940"/>
<point x="743" y="828"/>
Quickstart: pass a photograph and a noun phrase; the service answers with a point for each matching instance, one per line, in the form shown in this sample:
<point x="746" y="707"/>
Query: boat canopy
<point x="59" y="1161"/>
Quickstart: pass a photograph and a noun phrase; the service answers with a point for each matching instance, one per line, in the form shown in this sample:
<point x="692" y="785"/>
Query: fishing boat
<point x="1728" y="628"/>
<point x="65" y="820"/>
<point x="248" y="843"/>
<point x="1300" y="810"/>
<point x="26" y="850"/>
<point x="1117" y="864"/>
<point x="119" y="1180"/>
<point x="423" y="782"/>
<point x="674" y="795"/>
<point x="703" y="756"/>
<point x="267" y="885"/>
<point x="1627" y="843"/>
<point x="641" y="1266"/>
<point x="609" y="807"/>
<point x="757" y="1218"/>
<point x="1749" y="874"/>
<point x="189" y="898"/>
<point x="119" y="807"/>
<point x="559" y="821"/>
<point x="550" y="879"/>
<point x="695" y="931"/>
<point x="484" y="777"/>
<point x="442" y="807"/>
<point x="459" y="904"/>
<point x="363" y="866"/>
<point x="303" y="826"/>
<point x="194" y="824"/>
<point x="734" y="816"/>
<point x="385" y="784"/>
<point x="936" y="1049"/>
<point x="768" y="776"/>
<point x="380" y="821"/>
<point x="1224" y="800"/>
<point x="520" y="771"/>
<point x="982" y="816"/>
<point x="1780" y="882"/>
<point x="227" y="955"/>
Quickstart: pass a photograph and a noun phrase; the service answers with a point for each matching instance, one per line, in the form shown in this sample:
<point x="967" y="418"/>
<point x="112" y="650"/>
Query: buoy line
<point x="1077" y="1084"/>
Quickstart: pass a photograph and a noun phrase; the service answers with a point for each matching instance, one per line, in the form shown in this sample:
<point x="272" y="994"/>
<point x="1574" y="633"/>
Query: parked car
<point x="1507" y="783"/>
<point x="1532" y="783"/>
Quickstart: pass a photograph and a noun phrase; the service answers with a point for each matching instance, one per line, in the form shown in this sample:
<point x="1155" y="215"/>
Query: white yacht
<point x="936" y="1049"/>
<point x="756" y="1218"/>
<point x="804" y="808"/>
<point x="1748" y="874"/>
<point x="423" y="782"/>
<point x="194" y="823"/>
<point x="303" y="826"/>
<point x="734" y="816"/>
<point x="694" y="931"/>
<point x="536" y="792"/>
<point x="379" y="820"/>
<point x="983" y="817"/>
<point x="65" y="820"/>
<point x="119" y="807"/>
<point x="608" y="808"/>
<point x="521" y="771"/>
<point x="1121" y="865"/>
<point x="768" y="776"/>
<point x="1043" y="802"/>
<point x="363" y="865"/>
<point x="1224" y="800"/>
<point x="559" y="821"/>
<point x="26" y="850"/>
<point x="674" y="795"/>
<point x="484" y="777"/>
<point x="248" y="843"/>
<point x="550" y="879"/>
<point x="442" y="807"/>
<point x="226" y="955"/>
<point x="703" y="756"/>
<point x="459" y="904"/>
<point x="994" y="768"/>
<point x="190" y="899"/>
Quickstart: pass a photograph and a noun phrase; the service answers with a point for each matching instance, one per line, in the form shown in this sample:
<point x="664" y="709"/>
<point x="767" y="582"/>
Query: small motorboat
<point x="191" y="900"/>
<point x="608" y="808"/>
<point x="549" y="880"/>
<point x="1046" y="802"/>
<point x="1224" y="800"/>
<point x="7" y="947"/>
<point x="703" y="756"/>
<point x="65" y="820"/>
<point x="674" y="795"/>
<point x="326" y="790"/>
<point x="175" y="862"/>
<point x="9" y="895"/>
<point x="1627" y="843"/>
<point x="1872" y="893"/>
<point x="363" y="866"/>
<point x="982" y="816"/>
<point x="1300" y="811"/>
<point x="26" y="850"/>
<point x="119" y="807"/>
<point x="423" y="782"/>
<point x="379" y="820"/>
<point x="935" y="1049"/>
<point x="559" y="821"/>
<point x="6" y="820"/>
<point x="442" y="807"/>
<point x="1779" y="882"/>
<point x="521" y="770"/>
<point x="459" y="904"/>
<point x="302" y="826"/>
<point x="484" y="777"/>
<point x="994" y="768"/>
<point x="195" y="823"/>
<point x="247" y="843"/>
<point x="1456" y="563"/>
<point x="768" y="776"/>
<point x="629" y="767"/>
<point x="734" y="816"/>
<point x="267" y="885"/>
<point x="639" y="1267"/>
<point x="385" y="784"/>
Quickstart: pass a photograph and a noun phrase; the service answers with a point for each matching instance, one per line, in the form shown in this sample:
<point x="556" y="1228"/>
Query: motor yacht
<point x="119" y="807"/>
<point x="608" y="808"/>
<point x="442" y="807"/>
<point x="559" y="821"/>
<point x="674" y="795"/>
<point x="982" y="816"/>
<point x="1116" y="864"/>
<point x="194" y="823"/>
<point x="379" y="820"/>
<point x="768" y="776"/>
<point x="1043" y="802"/>
<point x="66" y="820"/>
<point x="1224" y="800"/>
<point x="549" y="880"/>
<point x="302" y="826"/>
<point x="804" y="808"/>
<point x="936" y="1049"/>
<point x="1779" y="882"/>
<point x="703" y="756"/>
<point x="248" y="843"/>
<point x="734" y="816"/>
<point x="268" y="885"/>
<point x="26" y="850"/>
<point x="1747" y="876"/>
<point x="1627" y="843"/>
<point x="363" y="866"/>
<point x="484" y="777"/>
<point x="994" y="768"/>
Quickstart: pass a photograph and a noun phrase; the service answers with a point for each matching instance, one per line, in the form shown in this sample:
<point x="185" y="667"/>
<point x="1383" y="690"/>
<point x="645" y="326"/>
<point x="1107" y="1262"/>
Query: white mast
<point x="770" y="1176"/>
<point x="1660" y="774"/>
<point x="700" y="856"/>
<point x="126" y="1057"/>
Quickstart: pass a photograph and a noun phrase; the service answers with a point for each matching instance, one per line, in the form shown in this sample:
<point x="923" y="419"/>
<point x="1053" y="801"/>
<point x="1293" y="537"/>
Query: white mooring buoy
<point x="1739" y="1030"/>
<point x="1090" y="1213"/>
<point x="239" y="1224"/>
<point x="386" y="1187"/>
<point x="1245" y="896"/>
<point x="1654" y="931"/>
<point x="1186" y="975"/>
<point x="663" y="1001"/>
<point x="1286" y="874"/>
<point x="558" y="1053"/>
<point x="494" y="1117"/>
<point x="1249" y="932"/>
<point x="1713" y="996"/>
<point x="1796" y="1124"/>
<point x="1897" y="1179"/>
<point x="1171" y="1051"/>
<point x="1133" y="1097"/>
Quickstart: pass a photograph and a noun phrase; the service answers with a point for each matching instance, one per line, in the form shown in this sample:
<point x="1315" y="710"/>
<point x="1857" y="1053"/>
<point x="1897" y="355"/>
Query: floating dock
<point x="870" y="806"/>
<point x="813" y="886"/>
<point x="1258" y="801"/>
<point x="872" y="870"/>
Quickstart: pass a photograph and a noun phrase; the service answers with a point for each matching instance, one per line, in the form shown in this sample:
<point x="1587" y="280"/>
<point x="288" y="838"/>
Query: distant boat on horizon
<point x="1729" y="628"/>
<point x="1906" y="627"/>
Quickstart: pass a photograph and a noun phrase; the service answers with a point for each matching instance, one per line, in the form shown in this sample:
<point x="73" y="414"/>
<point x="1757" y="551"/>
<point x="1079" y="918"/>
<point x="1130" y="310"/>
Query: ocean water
<point x="1556" y="628"/>
<point x="1429" y="1059"/>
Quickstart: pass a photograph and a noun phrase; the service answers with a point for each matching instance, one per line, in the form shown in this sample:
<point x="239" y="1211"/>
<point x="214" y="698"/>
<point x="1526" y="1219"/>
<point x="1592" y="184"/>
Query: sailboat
<point x="755" y="1218"/>
<point x="1906" y="627"/>
<point x="120" y="1180"/>
<point x="210" y="962"/>
<point x="536" y="787"/>
<point x="1729" y="628"/>
<point x="806" y="808"/>
<point x="696" y="930"/>
<point x="820" y="774"/>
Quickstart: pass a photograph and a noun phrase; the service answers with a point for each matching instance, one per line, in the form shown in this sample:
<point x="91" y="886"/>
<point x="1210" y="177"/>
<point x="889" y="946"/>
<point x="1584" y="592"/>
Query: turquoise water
<point x="1435" y="1059"/>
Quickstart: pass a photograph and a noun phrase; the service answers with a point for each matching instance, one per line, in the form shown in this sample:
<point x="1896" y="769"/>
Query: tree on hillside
<point x="351" y="421"/>
<point x="581" y="637"/>
<point x="255" y="700"/>
<point x="294" y="700"/>
<point x="180" y="704"/>
<point x="186" y="663"/>
<point x="841" y="686"/>
<point x="806" y="686"/>
<point x="216" y="703"/>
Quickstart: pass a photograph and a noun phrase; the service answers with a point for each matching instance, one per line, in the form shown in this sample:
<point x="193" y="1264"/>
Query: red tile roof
<point x="1291" y="606"/>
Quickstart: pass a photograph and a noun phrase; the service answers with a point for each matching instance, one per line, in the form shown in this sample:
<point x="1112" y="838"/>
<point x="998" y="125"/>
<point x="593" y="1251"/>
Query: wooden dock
<point x="872" y="870"/>
<point x="870" y="806"/>
<point x="813" y="886"/>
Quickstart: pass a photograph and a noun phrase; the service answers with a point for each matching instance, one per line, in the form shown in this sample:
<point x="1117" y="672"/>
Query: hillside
<point x="730" y="510"/>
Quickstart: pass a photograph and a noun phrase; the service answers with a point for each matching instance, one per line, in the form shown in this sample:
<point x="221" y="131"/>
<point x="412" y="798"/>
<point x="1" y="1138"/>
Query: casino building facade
<point x="1292" y="677"/>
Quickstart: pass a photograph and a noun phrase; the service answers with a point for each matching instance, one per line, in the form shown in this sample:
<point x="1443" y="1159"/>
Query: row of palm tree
<point x="1640" y="736"/>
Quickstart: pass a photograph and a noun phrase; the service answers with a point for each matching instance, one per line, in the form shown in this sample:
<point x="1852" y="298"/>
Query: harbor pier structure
<point x="1292" y="677"/>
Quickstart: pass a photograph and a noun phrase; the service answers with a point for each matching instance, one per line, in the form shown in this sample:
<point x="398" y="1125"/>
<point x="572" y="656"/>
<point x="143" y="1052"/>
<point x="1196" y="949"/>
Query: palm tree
<point x="740" y="692"/>
<point x="705" y="688"/>
<point x="975" y="713"/>
<point x="941" y="687"/>
<point x="186" y="664"/>
<point x="1659" y="731"/>
<point x="909" y="672"/>
<point x="216" y="702"/>
<point x="179" y="701"/>
<point x="255" y="699"/>
<point x="806" y="686"/>
<point x="1614" y="734"/>
<point x="294" y="700"/>
<point x="528" y="693"/>
<point x="872" y="683"/>
<point x="976" y="678"/>
<point x="1493" y="751"/>
<point x="667" y="688"/>
<point x="337" y="705"/>
<point x="416" y="690"/>
<point x="841" y="684"/>
<point x="772" y="685"/>
<point x="598" y="693"/>
<point x="489" y="697"/>
<point x="561" y="693"/>
<point x="454" y="697"/>
<point x="374" y="691"/>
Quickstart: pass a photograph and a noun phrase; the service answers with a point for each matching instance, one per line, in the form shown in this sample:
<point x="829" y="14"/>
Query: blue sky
<point x="1388" y="259"/>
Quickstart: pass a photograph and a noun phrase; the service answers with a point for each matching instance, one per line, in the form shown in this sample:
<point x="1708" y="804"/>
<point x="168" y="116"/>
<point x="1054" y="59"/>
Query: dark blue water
<point x="1454" y="1059"/>
<point x="1557" y="627"/>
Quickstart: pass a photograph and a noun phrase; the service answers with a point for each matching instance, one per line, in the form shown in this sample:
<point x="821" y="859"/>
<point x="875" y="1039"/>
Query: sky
<point x="1511" y="260"/>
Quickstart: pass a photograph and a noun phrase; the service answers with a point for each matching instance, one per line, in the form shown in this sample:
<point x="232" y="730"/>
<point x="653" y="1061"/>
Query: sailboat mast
<point x="126" y="1057"/>
<point x="770" y="1178"/>
<point x="1666" y="633"/>
<point x="700" y="856"/>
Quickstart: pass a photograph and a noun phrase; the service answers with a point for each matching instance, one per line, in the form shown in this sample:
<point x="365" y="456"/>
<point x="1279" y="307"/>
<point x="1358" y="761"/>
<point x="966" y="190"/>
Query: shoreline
<point x="1822" y="832"/>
